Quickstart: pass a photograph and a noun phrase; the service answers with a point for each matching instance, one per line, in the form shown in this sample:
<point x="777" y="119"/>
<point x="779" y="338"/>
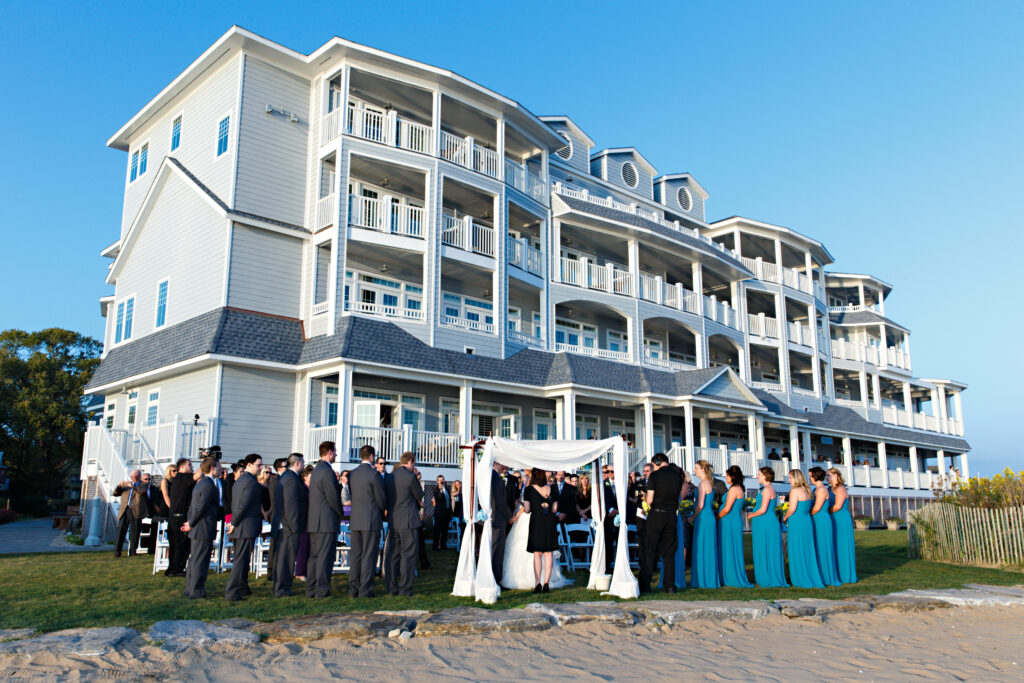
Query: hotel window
<point x="222" y="135"/>
<point x="135" y="167"/>
<point x="110" y="412"/>
<point x="139" y="162"/>
<point x="617" y="341"/>
<point x="152" y="408"/>
<point x="176" y="133"/>
<point x="161" y="304"/>
<point x="129" y="314"/>
<point x="143" y="158"/>
<point x="133" y="407"/>
<point x="119" y="327"/>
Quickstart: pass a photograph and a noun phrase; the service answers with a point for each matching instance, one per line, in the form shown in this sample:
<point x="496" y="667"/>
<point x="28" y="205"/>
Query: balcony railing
<point x="525" y="338"/>
<point x="384" y="214"/>
<point x="383" y="311"/>
<point x="522" y="179"/>
<point x="670" y="363"/>
<point x="607" y="278"/>
<point x="762" y="326"/>
<point x="800" y="334"/>
<point x="853" y="309"/>
<point x="321" y="307"/>
<point x="464" y="324"/>
<point x="465" y="152"/>
<point x="466" y="234"/>
<point x="436" y="449"/>
<point x="523" y="256"/>
<point x="588" y="351"/>
<point x="893" y="357"/>
<point x="768" y="386"/>
<point x="326" y="210"/>
<point x="721" y="312"/>
<point x="772" y="272"/>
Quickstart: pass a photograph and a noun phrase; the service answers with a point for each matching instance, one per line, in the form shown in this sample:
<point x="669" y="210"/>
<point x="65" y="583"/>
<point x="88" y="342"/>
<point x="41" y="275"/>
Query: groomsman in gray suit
<point x="246" y="525"/>
<point x="365" y="521"/>
<point x="405" y="496"/>
<point x="291" y="510"/>
<point x="201" y="527"/>
<point x="324" y="523"/>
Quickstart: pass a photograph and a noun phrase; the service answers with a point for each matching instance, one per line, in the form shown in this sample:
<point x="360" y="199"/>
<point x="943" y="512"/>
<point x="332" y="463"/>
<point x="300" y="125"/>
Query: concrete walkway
<point x="36" y="536"/>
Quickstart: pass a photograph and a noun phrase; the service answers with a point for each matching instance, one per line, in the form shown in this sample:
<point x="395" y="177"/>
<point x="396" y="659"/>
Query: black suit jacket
<point x="291" y="504"/>
<point x="501" y="511"/>
<point x="566" y="500"/>
<point x="442" y="505"/>
<point x="324" y="500"/>
<point x="368" y="499"/>
<point x="404" y="495"/>
<point x="203" y="512"/>
<point x="246" y="515"/>
<point x="181" y="493"/>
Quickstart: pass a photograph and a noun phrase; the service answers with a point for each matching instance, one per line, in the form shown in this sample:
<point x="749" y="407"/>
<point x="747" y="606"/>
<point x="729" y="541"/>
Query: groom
<point x="500" y="516"/>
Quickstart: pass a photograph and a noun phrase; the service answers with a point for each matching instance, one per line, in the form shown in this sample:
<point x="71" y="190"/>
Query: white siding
<point x="183" y="240"/>
<point x="580" y="159"/>
<point x="207" y="102"/>
<point x="256" y="409"/>
<point x="266" y="271"/>
<point x="612" y="167"/>
<point x="724" y="387"/>
<point x="666" y="192"/>
<point x="183" y="395"/>
<point x="271" y="149"/>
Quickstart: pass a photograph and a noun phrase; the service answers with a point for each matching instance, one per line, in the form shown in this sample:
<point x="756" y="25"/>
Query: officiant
<point x="662" y="496"/>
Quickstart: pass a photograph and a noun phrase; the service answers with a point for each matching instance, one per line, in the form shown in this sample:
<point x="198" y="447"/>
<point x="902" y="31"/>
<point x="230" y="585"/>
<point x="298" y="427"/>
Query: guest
<point x="421" y="538"/>
<point x="368" y="505"/>
<point x="766" y="535"/>
<point x="842" y="525"/>
<point x="661" y="494"/>
<point x="501" y="514"/>
<point x="565" y="494"/>
<point x="457" y="509"/>
<point x="442" y="513"/>
<point x="280" y="465"/>
<point x="583" y="501"/>
<point x="688" y="492"/>
<point x="774" y="455"/>
<point x="404" y="500"/>
<point x="180" y="498"/>
<point x="157" y="512"/>
<point x="134" y="507"/>
<point x="302" y="554"/>
<point x="786" y="456"/>
<point x="704" y="564"/>
<point x="732" y="565"/>
<point x="824" y="533"/>
<point x="542" y="506"/>
<point x="263" y="479"/>
<point x="346" y="495"/>
<point x="381" y="466"/>
<point x="201" y="527"/>
<point x="324" y="523"/>
<point x="803" y="561"/>
<point x="636" y="493"/>
<point x="611" y="531"/>
<point x="165" y="484"/>
<point x="246" y="525"/>
<point x="291" y="511"/>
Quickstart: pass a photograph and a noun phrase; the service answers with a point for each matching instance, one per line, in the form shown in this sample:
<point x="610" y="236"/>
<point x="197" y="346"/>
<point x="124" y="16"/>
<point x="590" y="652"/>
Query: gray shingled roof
<point x="848" y="421"/>
<point x="632" y="219"/>
<point x="862" y="318"/>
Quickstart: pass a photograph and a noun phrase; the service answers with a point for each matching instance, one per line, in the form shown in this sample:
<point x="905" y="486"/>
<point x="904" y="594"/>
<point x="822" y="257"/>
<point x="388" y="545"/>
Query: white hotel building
<point x="354" y="246"/>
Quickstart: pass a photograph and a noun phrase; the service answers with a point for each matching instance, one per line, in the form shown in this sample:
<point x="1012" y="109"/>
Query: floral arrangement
<point x="1005" y="489"/>
<point x="750" y="504"/>
<point x="782" y="509"/>
<point x="686" y="506"/>
<point x="646" y="507"/>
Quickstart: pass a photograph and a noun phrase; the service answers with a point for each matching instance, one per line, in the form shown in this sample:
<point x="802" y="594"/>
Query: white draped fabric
<point x="547" y="455"/>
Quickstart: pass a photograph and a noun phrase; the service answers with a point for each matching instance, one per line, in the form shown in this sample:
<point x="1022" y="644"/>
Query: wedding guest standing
<point x="324" y="523"/>
<point x="133" y="509"/>
<point x="291" y="509"/>
<point x="766" y="535"/>
<point x="730" y="532"/>
<point x="824" y="533"/>
<point x="457" y="506"/>
<point x="689" y="492"/>
<point x="542" y="506"/>
<point x="803" y="560"/>
<point x="442" y="513"/>
<point x="661" y="539"/>
<point x="245" y="527"/>
<point x="704" y="565"/>
<point x="583" y="499"/>
<point x="201" y="527"/>
<point x="565" y="494"/>
<point x="611" y="531"/>
<point x="405" y="494"/>
<point x="346" y="495"/>
<point x="181" y="498"/>
<point x="365" y="523"/>
<point x="302" y="554"/>
<point x="501" y="513"/>
<point x="842" y="524"/>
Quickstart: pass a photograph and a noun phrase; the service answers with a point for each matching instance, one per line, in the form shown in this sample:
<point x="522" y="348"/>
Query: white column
<point x="567" y="425"/>
<point x="860" y="292"/>
<point x="958" y="407"/>
<point x="915" y="466"/>
<point x="943" y="416"/>
<point x="908" y="401"/>
<point x="466" y="413"/>
<point x="345" y="414"/>
<point x="705" y="433"/>
<point x="555" y="250"/>
<point x="500" y="131"/>
<point x="688" y="436"/>
<point x="884" y="348"/>
<point x="806" y="455"/>
<point x="876" y="387"/>
<point x="940" y="457"/>
<point x="648" y="439"/>
<point x="634" y="264"/>
<point x="751" y="435"/>
<point x="698" y="285"/>
<point x="883" y="464"/>
<point x="778" y="259"/>
<point x="863" y="380"/>
<point x="847" y="451"/>
<point x="435" y="123"/>
<point x="963" y="466"/>
<point x="737" y="242"/>
<point x="794" y="447"/>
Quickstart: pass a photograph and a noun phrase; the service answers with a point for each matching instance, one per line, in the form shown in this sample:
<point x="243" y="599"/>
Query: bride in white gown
<point x="517" y="572"/>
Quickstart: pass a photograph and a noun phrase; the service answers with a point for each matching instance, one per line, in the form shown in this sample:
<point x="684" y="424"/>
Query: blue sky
<point x="892" y="132"/>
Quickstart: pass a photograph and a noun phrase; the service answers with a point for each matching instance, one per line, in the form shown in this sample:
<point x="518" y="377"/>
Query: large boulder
<point x="965" y="597"/>
<point x="88" y="642"/>
<point x="900" y="603"/>
<point x="182" y="634"/>
<point x="678" y="611"/>
<point x="574" y="613"/>
<point x="461" y="620"/>
<point x="355" y="627"/>
<point x="813" y="607"/>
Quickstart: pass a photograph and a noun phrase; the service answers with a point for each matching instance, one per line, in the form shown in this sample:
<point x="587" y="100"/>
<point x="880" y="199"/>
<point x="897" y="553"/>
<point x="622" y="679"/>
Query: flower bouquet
<point x="782" y="509"/>
<point x="750" y="504"/>
<point x="646" y="507"/>
<point x="686" y="506"/>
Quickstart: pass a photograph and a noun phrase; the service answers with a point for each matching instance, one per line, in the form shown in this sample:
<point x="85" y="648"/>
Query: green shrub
<point x="1002" y="490"/>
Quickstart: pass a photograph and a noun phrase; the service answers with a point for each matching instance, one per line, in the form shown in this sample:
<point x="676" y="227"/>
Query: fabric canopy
<point x="478" y="579"/>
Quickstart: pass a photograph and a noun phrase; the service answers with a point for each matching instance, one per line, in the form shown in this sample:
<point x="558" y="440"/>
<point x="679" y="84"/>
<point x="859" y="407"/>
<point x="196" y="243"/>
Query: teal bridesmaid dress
<point x="766" y="536"/>
<point x="824" y="543"/>
<point x="704" y="566"/>
<point x="803" y="560"/>
<point x="733" y="567"/>
<point x="846" y="555"/>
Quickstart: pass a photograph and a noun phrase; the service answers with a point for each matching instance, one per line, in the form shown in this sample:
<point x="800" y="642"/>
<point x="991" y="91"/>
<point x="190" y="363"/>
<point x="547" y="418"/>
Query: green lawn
<point x="52" y="591"/>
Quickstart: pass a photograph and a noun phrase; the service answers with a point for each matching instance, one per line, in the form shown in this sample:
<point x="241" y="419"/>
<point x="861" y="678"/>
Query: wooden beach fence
<point x="992" y="537"/>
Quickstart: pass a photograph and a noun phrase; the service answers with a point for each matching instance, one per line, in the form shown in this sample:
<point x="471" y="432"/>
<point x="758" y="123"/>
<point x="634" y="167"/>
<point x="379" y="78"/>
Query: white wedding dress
<point x="517" y="572"/>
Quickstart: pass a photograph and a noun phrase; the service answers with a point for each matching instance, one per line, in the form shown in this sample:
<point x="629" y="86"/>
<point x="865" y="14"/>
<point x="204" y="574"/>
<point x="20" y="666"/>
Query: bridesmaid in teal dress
<point x="803" y="561"/>
<point x="842" y="524"/>
<point x="824" y="534"/>
<point x="766" y="535"/>
<point x="730" y="532"/>
<point x="704" y="565"/>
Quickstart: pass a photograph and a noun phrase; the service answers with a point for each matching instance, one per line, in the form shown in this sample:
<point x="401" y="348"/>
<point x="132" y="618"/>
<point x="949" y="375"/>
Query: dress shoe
<point x="545" y="589"/>
<point x="537" y="589"/>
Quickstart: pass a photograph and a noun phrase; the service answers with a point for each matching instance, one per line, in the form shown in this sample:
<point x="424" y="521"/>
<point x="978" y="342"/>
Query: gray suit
<point x="291" y="511"/>
<point x="500" y="516"/>
<point x="404" y="493"/>
<point x="365" y="521"/>
<point x="203" y="513"/>
<point x="323" y="525"/>
<point x="246" y="524"/>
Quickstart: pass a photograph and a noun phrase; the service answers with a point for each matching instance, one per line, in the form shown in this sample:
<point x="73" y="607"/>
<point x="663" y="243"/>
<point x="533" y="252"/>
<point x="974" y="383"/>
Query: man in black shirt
<point x="662" y="495"/>
<point x="177" y="540"/>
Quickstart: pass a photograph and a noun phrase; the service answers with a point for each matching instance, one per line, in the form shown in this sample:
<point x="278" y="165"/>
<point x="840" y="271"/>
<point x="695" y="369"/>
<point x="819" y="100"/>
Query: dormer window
<point x="629" y="174"/>
<point x="565" y="152"/>
<point x="140" y="160"/>
<point x="685" y="199"/>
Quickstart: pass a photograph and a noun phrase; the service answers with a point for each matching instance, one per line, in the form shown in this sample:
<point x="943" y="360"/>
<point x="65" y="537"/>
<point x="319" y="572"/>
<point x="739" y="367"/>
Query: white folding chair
<point x="454" y="539"/>
<point x="261" y="552"/>
<point x="564" y="556"/>
<point x="145" y="529"/>
<point x="341" y="551"/>
<point x="226" y="556"/>
<point x="161" y="558"/>
<point x="579" y="537"/>
<point x="632" y="546"/>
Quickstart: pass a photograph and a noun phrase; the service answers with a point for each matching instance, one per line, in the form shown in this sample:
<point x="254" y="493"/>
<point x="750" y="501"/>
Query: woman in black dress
<point x="543" y="538"/>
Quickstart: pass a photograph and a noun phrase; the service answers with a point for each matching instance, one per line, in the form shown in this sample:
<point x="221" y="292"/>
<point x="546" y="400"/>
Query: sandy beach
<point x="950" y="644"/>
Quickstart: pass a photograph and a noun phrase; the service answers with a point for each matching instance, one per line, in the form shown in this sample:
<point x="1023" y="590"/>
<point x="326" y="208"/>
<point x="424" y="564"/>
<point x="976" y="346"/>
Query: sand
<point x="984" y="643"/>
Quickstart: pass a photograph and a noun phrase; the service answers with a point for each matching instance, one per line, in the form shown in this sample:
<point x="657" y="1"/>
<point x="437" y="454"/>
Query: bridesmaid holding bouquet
<point x="766" y="533"/>
<point x="704" y="565"/>
<point x="803" y="560"/>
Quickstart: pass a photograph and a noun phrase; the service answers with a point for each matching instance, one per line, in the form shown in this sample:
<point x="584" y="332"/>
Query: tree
<point x="42" y="412"/>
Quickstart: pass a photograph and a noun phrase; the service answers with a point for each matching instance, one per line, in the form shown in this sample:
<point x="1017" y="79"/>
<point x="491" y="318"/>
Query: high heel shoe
<point x="537" y="589"/>
<point x="545" y="589"/>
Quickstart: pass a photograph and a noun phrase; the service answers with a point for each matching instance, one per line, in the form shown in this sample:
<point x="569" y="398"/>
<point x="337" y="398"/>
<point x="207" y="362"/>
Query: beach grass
<point x="52" y="591"/>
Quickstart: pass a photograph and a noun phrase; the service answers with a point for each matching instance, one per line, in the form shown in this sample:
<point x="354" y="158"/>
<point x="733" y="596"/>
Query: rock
<point x="7" y="634"/>
<point x="965" y="597"/>
<point x="574" y="613"/>
<point x="406" y="635"/>
<point x="415" y="614"/>
<point x="89" y="642"/>
<point x="459" y="620"/>
<point x="181" y="634"/>
<point x="394" y="633"/>
<point x="677" y="611"/>
<point x="355" y="627"/>
<point x="902" y="603"/>
<point x="237" y="622"/>
<point x="1017" y="591"/>
<point x="811" y="607"/>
